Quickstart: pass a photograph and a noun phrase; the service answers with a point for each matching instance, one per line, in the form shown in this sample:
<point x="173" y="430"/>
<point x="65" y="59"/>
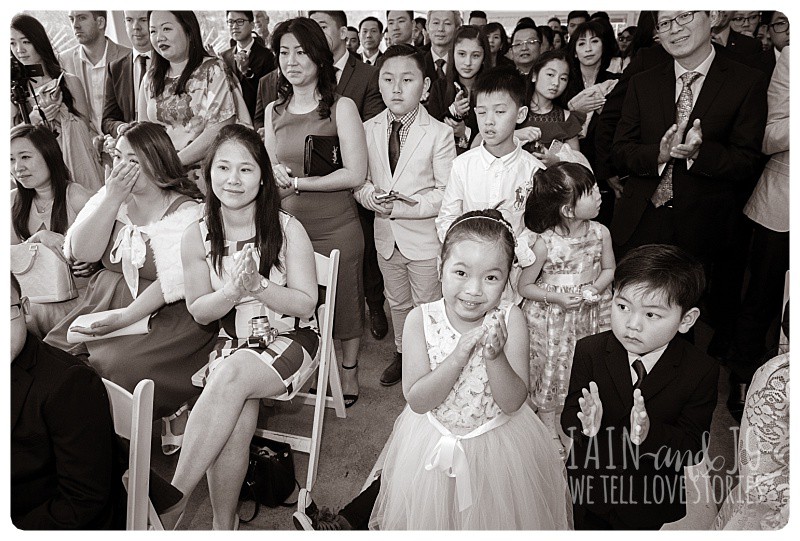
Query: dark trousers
<point x="373" y="279"/>
<point x="762" y="302"/>
<point x="655" y="227"/>
<point x="358" y="511"/>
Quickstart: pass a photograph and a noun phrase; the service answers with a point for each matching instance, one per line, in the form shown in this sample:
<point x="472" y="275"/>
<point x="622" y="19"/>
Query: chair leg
<point x="336" y="387"/>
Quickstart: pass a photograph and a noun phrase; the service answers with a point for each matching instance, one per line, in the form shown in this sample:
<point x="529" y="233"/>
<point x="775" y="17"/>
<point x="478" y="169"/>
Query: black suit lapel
<point x="347" y="72"/>
<point x="665" y="370"/>
<point x="620" y="371"/>
<point x="711" y="88"/>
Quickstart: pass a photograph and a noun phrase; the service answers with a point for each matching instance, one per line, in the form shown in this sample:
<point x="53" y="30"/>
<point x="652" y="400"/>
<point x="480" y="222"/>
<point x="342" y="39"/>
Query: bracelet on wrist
<point x="227" y="297"/>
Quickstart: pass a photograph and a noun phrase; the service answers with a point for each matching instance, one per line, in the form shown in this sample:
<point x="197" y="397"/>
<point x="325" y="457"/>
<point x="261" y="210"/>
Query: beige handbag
<point x="44" y="275"/>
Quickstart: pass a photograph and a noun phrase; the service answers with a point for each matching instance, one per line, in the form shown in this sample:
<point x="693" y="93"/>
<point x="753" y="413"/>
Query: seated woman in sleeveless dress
<point x="244" y="259"/>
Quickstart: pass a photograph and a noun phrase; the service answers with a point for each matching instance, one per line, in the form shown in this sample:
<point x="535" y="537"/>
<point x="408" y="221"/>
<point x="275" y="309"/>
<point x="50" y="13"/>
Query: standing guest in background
<point x="124" y="77"/>
<point x="498" y="44"/>
<point x="309" y="105"/>
<point x="62" y="105"/>
<point x="742" y="45"/>
<point x="768" y="211"/>
<point x="558" y="40"/>
<point x="621" y="60"/>
<point x="43" y="205"/>
<point x="89" y="59"/>
<point x="422" y="39"/>
<point x="778" y="31"/>
<point x="420" y="153"/>
<point x="441" y="27"/>
<point x="685" y="161"/>
<point x="359" y="82"/>
<point x="745" y="22"/>
<point x="451" y="99"/>
<point x="248" y="59"/>
<point x="478" y="18"/>
<point x="763" y="36"/>
<point x="555" y="24"/>
<point x="547" y="38"/>
<point x="262" y="26"/>
<point x="590" y="48"/>
<point x="574" y="19"/>
<point x="400" y="27"/>
<point x="526" y="42"/>
<point x="352" y="40"/>
<point x="187" y="90"/>
<point x="63" y="474"/>
<point x="134" y="226"/>
<point x="370" y="31"/>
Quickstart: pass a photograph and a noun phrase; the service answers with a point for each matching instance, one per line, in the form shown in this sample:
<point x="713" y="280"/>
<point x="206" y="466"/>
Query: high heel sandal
<point x="171" y="443"/>
<point x="350" y="399"/>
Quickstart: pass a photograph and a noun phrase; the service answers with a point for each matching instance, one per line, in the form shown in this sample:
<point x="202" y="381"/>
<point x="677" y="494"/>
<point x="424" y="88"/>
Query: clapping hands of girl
<point x="244" y="275"/>
<point x="495" y="335"/>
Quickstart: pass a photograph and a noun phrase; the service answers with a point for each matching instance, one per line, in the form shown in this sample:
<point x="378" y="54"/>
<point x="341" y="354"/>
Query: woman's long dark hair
<point x="452" y="76"/>
<point x="46" y="143"/>
<point x="311" y="38"/>
<point x="497" y="27"/>
<point x="31" y="28"/>
<point x="596" y="28"/>
<point x="158" y="158"/>
<point x="269" y="233"/>
<point x="197" y="52"/>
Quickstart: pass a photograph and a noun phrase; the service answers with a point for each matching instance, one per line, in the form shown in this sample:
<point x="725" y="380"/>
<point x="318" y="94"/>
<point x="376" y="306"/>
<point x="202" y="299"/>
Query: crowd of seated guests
<point x="141" y="169"/>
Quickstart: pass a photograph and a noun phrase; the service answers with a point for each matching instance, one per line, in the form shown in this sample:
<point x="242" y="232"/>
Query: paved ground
<point x="350" y="446"/>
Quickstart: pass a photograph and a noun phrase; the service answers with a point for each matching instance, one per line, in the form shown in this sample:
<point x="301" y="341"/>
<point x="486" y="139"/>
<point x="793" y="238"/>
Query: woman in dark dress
<point x="324" y="205"/>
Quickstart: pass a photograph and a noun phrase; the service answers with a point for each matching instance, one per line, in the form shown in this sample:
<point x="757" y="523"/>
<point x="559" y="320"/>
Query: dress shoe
<point x="394" y="372"/>
<point x="737" y="399"/>
<point x="379" y="327"/>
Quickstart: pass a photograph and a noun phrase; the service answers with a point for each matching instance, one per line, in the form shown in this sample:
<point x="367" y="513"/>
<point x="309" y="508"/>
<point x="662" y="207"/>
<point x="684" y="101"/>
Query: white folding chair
<point x="133" y="420"/>
<point x="326" y="369"/>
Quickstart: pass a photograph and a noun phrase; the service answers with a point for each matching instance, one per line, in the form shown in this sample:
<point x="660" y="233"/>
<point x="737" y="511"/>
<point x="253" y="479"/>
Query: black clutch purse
<point x="322" y="155"/>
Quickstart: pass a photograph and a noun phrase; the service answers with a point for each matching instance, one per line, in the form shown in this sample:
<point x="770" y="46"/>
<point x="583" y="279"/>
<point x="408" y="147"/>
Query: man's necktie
<point x="641" y="372"/>
<point x="394" y="144"/>
<point x="439" y="68"/>
<point x="142" y="59"/>
<point x="367" y="62"/>
<point x="663" y="192"/>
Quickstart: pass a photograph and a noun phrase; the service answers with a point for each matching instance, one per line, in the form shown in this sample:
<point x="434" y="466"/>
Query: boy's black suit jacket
<point x="680" y="394"/>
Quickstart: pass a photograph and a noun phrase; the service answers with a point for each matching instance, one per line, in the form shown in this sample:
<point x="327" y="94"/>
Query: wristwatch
<point x="262" y="286"/>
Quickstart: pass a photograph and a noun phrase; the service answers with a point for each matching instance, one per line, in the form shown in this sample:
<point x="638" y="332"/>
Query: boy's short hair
<point x="339" y="17"/>
<point x="403" y="50"/>
<point x="373" y="19"/>
<point x="577" y="14"/>
<point x="502" y="79"/>
<point x="663" y="268"/>
<point x="247" y="14"/>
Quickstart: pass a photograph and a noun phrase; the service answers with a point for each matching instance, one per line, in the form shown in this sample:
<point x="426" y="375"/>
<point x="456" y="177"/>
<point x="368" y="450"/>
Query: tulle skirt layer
<point x="517" y="479"/>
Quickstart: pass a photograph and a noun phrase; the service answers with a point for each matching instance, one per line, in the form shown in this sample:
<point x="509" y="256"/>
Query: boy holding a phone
<point x="410" y="155"/>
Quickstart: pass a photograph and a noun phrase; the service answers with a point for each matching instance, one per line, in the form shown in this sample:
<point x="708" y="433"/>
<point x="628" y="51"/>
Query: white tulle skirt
<point x="517" y="480"/>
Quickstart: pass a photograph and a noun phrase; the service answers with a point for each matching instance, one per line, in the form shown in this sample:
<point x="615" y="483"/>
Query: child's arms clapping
<point x="591" y="410"/>
<point x="529" y="289"/>
<point x="640" y="421"/>
<point x="505" y="351"/>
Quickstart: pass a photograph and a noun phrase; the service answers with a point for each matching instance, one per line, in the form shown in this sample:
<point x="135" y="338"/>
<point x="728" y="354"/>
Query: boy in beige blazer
<point x="410" y="156"/>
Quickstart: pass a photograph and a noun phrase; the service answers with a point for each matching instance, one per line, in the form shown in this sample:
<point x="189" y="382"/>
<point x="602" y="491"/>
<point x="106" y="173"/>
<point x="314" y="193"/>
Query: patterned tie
<point x="142" y="59"/>
<point x="663" y="192"/>
<point x="641" y="372"/>
<point x="439" y="68"/>
<point x="394" y="144"/>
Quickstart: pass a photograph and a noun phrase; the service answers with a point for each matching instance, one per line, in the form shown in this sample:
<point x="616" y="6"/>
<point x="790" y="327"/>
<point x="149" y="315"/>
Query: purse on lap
<point x="322" y="155"/>
<point x="44" y="276"/>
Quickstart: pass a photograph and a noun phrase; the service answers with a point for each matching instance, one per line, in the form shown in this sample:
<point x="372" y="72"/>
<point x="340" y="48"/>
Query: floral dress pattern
<point x="572" y="264"/>
<point x="761" y="499"/>
<point x="208" y="99"/>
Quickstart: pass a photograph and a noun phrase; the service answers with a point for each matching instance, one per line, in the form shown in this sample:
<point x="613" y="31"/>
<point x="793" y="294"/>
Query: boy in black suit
<point x="640" y="398"/>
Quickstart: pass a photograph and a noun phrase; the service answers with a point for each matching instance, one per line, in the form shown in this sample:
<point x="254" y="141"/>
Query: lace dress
<point x="761" y="499"/>
<point x="466" y="465"/>
<point x="573" y="263"/>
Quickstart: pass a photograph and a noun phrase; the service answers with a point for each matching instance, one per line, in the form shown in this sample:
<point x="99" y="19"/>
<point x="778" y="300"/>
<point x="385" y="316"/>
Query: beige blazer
<point x="769" y="204"/>
<point x="422" y="172"/>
